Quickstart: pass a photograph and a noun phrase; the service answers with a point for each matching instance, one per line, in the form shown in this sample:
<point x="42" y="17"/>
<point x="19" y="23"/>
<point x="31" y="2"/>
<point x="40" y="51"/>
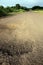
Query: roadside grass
<point x="38" y="11"/>
<point x="19" y="10"/>
<point x="16" y="12"/>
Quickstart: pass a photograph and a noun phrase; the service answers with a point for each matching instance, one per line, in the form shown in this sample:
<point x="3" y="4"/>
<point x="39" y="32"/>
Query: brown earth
<point x="21" y="39"/>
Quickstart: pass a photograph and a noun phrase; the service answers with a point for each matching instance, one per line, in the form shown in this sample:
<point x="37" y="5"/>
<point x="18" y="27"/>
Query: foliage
<point x="3" y="12"/>
<point x="37" y="8"/>
<point x="17" y="8"/>
<point x="9" y="9"/>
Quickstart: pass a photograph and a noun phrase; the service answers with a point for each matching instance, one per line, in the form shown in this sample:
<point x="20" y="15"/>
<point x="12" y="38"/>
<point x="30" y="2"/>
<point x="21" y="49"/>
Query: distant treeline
<point x="5" y="10"/>
<point x="37" y="8"/>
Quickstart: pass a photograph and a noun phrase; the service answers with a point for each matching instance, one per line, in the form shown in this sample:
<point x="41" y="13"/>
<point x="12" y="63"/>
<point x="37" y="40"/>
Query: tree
<point x="36" y="8"/>
<point x="18" y="6"/>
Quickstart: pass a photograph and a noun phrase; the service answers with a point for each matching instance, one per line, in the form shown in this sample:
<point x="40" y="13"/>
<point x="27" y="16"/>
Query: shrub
<point x="9" y="9"/>
<point x="2" y="11"/>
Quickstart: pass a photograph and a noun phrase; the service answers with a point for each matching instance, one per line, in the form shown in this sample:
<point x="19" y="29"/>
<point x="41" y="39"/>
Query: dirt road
<point x="28" y="25"/>
<point x="23" y="27"/>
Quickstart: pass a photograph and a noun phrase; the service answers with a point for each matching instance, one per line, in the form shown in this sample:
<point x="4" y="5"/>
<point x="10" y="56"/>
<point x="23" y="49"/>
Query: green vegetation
<point x="5" y="11"/>
<point x="37" y="8"/>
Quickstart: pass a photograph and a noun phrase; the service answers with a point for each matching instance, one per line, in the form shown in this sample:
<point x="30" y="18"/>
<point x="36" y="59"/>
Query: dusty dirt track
<point x="24" y="28"/>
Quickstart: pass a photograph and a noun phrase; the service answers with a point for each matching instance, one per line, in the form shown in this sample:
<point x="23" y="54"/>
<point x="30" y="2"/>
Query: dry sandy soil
<point x="24" y="32"/>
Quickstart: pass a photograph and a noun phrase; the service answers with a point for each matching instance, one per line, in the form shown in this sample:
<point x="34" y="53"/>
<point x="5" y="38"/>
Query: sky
<point x="27" y="3"/>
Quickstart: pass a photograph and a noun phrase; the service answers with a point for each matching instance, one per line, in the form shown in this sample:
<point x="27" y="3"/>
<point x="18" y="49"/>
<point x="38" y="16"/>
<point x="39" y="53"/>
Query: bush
<point x="2" y="11"/>
<point x="9" y="9"/>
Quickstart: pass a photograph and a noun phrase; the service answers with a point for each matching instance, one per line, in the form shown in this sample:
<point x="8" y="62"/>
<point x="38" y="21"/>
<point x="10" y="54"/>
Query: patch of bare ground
<point x="21" y="39"/>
